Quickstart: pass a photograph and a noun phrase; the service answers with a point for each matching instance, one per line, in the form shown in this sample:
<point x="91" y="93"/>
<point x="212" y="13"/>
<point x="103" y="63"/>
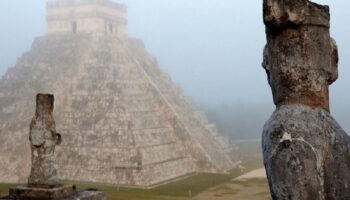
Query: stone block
<point x="32" y="193"/>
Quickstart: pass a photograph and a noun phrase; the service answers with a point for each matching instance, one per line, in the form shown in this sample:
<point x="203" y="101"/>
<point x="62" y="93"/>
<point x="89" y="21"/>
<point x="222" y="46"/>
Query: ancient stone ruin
<point x="43" y="140"/>
<point x="306" y="152"/>
<point x="122" y="118"/>
<point x="86" y="16"/>
<point x="43" y="182"/>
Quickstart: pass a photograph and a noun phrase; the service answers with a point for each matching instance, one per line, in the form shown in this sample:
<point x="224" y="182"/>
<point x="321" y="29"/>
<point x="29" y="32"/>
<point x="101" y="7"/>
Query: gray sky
<point x="212" y="48"/>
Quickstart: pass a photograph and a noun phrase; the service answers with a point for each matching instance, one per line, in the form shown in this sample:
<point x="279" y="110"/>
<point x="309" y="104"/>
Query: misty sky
<point x="212" y="48"/>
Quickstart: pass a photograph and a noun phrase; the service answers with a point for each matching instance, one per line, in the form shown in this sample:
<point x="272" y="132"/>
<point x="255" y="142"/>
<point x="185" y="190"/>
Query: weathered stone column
<point x="43" y="182"/>
<point x="306" y="152"/>
<point x="43" y="139"/>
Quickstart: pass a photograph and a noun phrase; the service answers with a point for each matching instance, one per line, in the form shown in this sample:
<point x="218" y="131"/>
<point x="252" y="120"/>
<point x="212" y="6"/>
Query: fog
<point x="212" y="48"/>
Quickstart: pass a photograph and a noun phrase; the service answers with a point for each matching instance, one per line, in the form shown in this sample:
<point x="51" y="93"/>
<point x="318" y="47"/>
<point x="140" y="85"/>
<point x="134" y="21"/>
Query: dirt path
<point x="258" y="173"/>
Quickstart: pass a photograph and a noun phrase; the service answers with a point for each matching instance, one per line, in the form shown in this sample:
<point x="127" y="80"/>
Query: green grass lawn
<point x="4" y="188"/>
<point x="181" y="189"/>
<point x="178" y="190"/>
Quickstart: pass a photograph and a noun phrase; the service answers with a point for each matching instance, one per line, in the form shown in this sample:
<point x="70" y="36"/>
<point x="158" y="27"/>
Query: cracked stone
<point x="306" y="152"/>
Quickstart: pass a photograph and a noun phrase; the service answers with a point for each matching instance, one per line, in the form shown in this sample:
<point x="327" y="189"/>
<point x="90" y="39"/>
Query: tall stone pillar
<point x="43" y="183"/>
<point x="306" y="152"/>
<point x="43" y="139"/>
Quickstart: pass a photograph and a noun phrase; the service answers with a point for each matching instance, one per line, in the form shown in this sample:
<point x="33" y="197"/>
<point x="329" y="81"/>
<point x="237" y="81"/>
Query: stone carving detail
<point x="43" y="139"/>
<point x="43" y="182"/>
<point x="306" y="152"/>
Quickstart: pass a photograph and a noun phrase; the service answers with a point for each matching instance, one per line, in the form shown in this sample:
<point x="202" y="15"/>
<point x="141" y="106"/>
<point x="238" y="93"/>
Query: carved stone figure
<point x="306" y="152"/>
<point x="43" y="182"/>
<point x="43" y="139"/>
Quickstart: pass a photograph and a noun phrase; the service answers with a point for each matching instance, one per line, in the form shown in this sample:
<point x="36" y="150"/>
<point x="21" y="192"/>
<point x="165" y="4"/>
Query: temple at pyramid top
<point x="86" y="16"/>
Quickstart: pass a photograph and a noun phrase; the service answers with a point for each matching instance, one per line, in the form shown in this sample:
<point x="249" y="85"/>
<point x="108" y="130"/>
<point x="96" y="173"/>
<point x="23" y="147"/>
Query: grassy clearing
<point x="248" y="189"/>
<point x="178" y="190"/>
<point x="181" y="189"/>
<point x="4" y="188"/>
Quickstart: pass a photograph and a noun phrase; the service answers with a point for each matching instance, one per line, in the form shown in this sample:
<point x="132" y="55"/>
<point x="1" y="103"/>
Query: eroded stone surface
<point x="306" y="153"/>
<point x="31" y="193"/>
<point x="43" y="139"/>
<point x="43" y="183"/>
<point x="57" y="195"/>
<point x="300" y="58"/>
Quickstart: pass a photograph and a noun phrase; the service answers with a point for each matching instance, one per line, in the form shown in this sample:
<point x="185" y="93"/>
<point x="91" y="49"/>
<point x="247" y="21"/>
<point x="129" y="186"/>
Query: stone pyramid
<point x="122" y="119"/>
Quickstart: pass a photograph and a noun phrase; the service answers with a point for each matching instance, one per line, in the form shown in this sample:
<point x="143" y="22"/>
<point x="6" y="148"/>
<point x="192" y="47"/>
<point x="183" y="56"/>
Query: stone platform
<point x="65" y="192"/>
<point x="24" y="192"/>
